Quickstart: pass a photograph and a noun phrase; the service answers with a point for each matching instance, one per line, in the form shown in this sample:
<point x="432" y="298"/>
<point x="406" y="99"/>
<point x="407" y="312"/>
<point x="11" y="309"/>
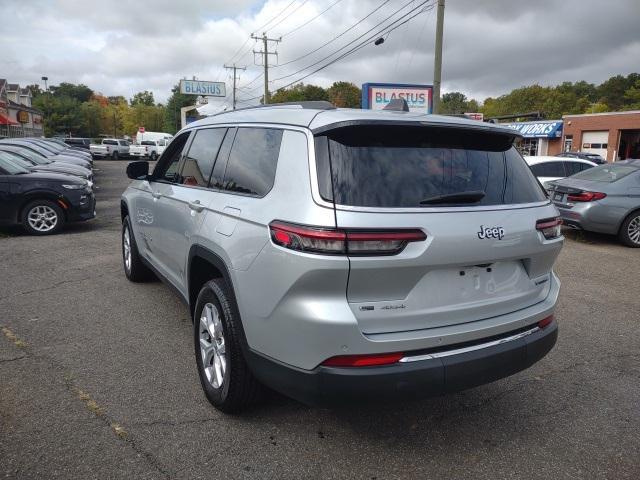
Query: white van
<point x="152" y="136"/>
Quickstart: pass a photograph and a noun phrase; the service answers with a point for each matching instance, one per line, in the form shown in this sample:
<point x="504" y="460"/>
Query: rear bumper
<point x="590" y="216"/>
<point x="425" y="377"/>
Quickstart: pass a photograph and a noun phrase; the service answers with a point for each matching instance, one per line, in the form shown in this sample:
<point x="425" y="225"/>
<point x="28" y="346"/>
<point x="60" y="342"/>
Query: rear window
<point x="402" y="166"/>
<point x="109" y="142"/>
<point x="148" y="142"/>
<point x="606" y="173"/>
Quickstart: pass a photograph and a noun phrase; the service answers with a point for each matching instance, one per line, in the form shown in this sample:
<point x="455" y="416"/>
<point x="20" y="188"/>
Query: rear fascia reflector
<point x="550" y="227"/>
<point x="363" y="360"/>
<point x="545" y="322"/>
<point x="330" y="241"/>
<point x="585" y="196"/>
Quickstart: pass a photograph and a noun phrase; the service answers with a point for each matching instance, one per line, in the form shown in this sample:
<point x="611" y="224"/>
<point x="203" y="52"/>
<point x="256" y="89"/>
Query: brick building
<point x="613" y="135"/>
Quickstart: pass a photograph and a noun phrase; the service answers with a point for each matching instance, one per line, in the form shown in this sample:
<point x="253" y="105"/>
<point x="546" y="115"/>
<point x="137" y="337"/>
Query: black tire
<point x="154" y="156"/>
<point x="114" y="156"/>
<point x="625" y="235"/>
<point x="42" y="207"/>
<point x="136" y="270"/>
<point x="239" y="389"/>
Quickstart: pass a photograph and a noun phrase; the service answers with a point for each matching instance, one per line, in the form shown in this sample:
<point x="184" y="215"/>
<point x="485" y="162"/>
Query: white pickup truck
<point x="113" y="148"/>
<point x="150" y="149"/>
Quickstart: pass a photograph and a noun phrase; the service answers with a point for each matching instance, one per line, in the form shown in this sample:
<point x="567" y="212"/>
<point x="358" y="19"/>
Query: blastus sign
<point x="206" y="89"/>
<point x="375" y="96"/>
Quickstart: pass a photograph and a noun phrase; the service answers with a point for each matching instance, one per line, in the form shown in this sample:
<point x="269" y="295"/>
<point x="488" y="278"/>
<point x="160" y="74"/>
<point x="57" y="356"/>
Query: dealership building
<point x="613" y="135"/>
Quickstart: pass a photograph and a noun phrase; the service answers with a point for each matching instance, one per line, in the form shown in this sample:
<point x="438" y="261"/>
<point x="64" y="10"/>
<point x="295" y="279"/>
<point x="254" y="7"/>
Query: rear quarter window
<point x="401" y="166"/>
<point x="251" y="168"/>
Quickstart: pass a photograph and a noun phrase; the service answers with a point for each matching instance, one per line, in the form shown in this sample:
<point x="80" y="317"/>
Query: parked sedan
<point x="58" y="149"/>
<point x="40" y="160"/>
<point x="42" y="202"/>
<point x="22" y="142"/>
<point x="548" y="169"/>
<point x="68" y="148"/>
<point x="52" y="167"/>
<point x="603" y="199"/>
<point x="592" y="157"/>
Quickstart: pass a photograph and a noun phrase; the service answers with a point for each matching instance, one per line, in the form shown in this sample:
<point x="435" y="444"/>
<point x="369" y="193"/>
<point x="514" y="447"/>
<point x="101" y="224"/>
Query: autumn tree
<point x="344" y="94"/>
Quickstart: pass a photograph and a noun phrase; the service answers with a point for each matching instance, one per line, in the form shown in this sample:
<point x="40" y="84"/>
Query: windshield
<point x="606" y="173"/>
<point x="8" y="165"/>
<point x="406" y="166"/>
<point x="35" y="148"/>
<point x="17" y="159"/>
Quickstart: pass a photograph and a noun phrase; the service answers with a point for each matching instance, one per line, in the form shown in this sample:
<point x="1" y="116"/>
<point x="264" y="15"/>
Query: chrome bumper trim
<point x="457" y="351"/>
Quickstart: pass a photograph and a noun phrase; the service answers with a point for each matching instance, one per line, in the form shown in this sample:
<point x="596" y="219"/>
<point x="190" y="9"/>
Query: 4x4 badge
<point x="490" y="232"/>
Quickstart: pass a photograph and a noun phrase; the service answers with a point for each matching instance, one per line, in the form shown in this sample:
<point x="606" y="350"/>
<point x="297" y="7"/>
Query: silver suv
<point x="337" y="254"/>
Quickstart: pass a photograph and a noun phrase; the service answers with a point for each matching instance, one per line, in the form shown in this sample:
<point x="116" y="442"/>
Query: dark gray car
<point x="604" y="199"/>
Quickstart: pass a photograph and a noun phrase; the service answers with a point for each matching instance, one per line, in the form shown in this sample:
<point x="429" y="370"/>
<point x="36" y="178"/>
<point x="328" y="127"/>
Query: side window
<point x="167" y="168"/>
<point x="573" y="167"/>
<point x="557" y="169"/>
<point x="538" y="170"/>
<point x="203" y="151"/>
<point x="252" y="162"/>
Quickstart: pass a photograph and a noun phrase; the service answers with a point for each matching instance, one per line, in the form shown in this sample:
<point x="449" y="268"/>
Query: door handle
<point x="156" y="194"/>
<point x="196" y="206"/>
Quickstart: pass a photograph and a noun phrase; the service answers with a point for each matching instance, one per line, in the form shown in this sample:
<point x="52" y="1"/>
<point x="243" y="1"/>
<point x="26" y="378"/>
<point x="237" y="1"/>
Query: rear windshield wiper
<point x="460" y="197"/>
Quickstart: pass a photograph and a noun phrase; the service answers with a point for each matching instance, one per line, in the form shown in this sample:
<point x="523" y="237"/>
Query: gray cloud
<point x="121" y="47"/>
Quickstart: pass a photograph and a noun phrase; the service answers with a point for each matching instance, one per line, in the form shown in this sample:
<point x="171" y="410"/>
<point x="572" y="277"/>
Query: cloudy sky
<point x="121" y="47"/>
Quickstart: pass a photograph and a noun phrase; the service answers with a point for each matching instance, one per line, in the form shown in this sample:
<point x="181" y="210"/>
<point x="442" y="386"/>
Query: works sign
<point x="376" y="96"/>
<point x="538" y="129"/>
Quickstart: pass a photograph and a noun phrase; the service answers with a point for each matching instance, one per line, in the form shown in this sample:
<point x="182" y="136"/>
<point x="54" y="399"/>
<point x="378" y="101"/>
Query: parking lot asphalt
<point x="98" y="380"/>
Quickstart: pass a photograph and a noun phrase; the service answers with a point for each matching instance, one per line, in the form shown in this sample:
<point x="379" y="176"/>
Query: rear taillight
<point x="545" y="322"/>
<point x="585" y="196"/>
<point x="336" y="242"/>
<point x="549" y="227"/>
<point x="363" y="360"/>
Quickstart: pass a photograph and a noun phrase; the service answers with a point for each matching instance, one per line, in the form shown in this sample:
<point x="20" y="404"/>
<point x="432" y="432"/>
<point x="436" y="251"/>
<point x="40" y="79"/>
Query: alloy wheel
<point x="42" y="218"/>
<point x="126" y="245"/>
<point x="212" y="345"/>
<point x="633" y="230"/>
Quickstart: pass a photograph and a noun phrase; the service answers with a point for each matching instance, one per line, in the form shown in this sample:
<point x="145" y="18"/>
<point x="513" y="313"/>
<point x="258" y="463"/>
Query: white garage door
<point x="595" y="142"/>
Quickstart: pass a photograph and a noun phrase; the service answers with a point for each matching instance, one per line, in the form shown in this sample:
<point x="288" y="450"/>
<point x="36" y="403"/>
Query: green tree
<point x="632" y="97"/>
<point x="344" y="95"/>
<point x="81" y="93"/>
<point x="300" y="93"/>
<point x="143" y="98"/>
<point x="176" y="101"/>
<point x="453" y="103"/>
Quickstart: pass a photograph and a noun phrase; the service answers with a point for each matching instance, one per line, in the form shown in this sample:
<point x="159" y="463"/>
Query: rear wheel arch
<point x="204" y="265"/>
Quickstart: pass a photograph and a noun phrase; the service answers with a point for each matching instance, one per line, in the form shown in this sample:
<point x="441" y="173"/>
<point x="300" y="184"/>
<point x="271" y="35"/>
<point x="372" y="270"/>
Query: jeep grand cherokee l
<point x="337" y="254"/>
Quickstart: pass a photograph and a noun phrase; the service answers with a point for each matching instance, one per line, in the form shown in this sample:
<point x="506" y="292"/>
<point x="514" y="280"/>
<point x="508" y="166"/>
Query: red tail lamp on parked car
<point x="585" y="196"/>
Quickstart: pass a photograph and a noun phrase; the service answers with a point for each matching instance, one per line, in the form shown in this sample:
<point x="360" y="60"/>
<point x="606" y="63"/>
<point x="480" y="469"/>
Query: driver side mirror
<point x="138" y="170"/>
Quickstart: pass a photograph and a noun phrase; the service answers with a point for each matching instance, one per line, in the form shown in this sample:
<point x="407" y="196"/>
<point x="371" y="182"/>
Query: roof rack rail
<point x="312" y="104"/>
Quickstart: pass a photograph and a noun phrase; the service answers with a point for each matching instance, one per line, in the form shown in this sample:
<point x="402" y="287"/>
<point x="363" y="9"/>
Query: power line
<point x="309" y="21"/>
<point x="365" y="33"/>
<point x="338" y="36"/>
<point x="288" y="15"/>
<point x="359" y="46"/>
<point x="273" y="18"/>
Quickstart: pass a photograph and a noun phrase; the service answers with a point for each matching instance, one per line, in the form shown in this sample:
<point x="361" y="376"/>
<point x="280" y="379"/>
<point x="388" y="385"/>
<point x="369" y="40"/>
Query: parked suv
<point x="338" y="254"/>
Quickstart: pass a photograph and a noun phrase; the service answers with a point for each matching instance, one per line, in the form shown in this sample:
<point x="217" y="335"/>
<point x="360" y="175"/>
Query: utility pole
<point x="437" y="63"/>
<point x="265" y="54"/>
<point x="234" y="68"/>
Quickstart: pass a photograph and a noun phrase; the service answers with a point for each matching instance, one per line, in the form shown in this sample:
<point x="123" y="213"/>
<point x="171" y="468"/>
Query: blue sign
<point x="375" y="96"/>
<point x="206" y="89"/>
<point x="551" y="129"/>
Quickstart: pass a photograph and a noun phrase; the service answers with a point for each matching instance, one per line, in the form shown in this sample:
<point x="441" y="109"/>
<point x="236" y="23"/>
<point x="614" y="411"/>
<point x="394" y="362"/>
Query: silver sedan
<point x="604" y="199"/>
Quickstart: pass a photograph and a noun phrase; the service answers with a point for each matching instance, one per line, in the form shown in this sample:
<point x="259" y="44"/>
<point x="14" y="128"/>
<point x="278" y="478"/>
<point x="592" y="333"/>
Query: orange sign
<point x="23" y="117"/>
